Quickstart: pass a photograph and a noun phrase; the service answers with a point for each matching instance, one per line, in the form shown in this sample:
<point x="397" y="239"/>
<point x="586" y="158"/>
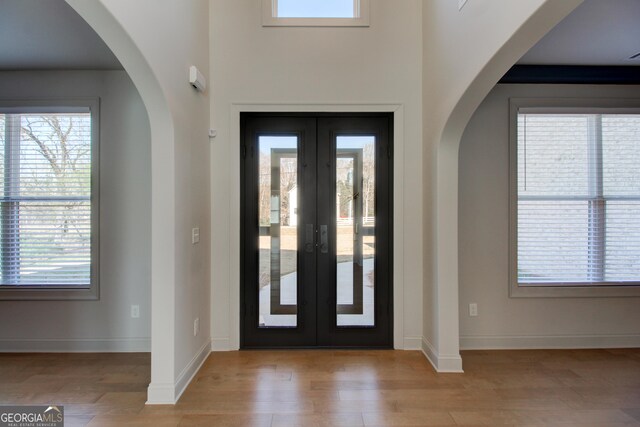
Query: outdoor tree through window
<point x="46" y="204"/>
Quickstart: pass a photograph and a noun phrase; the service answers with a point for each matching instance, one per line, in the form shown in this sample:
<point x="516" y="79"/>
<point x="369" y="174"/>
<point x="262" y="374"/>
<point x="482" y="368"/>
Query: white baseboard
<point x="161" y="394"/>
<point x="412" y="343"/>
<point x="530" y="342"/>
<point x="79" y="345"/>
<point x="220" y="344"/>
<point x="441" y="363"/>
<point x="192" y="369"/>
<point x="169" y="394"/>
<point x="430" y="353"/>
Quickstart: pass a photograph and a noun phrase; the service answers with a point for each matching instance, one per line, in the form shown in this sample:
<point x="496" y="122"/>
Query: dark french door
<point x="316" y="230"/>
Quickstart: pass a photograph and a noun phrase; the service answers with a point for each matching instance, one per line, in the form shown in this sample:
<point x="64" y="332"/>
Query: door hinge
<point x="244" y="151"/>
<point x="389" y="154"/>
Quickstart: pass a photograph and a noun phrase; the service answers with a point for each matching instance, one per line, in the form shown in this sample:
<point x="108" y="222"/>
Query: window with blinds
<point x="578" y="199"/>
<point x="46" y="205"/>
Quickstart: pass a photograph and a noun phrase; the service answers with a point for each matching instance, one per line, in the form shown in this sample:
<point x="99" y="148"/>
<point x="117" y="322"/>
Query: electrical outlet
<point x="461" y="4"/>
<point x="135" y="311"/>
<point x="195" y="235"/>
<point x="196" y="327"/>
<point x="473" y="309"/>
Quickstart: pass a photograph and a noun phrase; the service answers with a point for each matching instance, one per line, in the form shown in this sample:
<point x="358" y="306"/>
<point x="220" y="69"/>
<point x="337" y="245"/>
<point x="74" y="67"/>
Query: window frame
<point x="551" y="106"/>
<point x="360" y="19"/>
<point x="57" y="292"/>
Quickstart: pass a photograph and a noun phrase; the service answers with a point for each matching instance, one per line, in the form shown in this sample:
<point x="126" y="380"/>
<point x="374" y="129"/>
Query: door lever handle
<point x="324" y="239"/>
<point x="308" y="238"/>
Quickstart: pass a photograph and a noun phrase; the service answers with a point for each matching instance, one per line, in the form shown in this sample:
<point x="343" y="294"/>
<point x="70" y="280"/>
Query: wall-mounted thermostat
<point x="196" y="79"/>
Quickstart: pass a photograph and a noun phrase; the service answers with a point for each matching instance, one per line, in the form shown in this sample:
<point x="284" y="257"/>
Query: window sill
<point x="590" y="291"/>
<point x="270" y="21"/>
<point x="12" y="293"/>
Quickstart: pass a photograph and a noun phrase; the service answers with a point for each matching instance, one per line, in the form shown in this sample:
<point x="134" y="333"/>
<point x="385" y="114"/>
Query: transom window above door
<point x="315" y="13"/>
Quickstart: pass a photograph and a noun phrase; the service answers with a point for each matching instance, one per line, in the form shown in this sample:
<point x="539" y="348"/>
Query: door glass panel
<point x="278" y="221"/>
<point x="355" y="229"/>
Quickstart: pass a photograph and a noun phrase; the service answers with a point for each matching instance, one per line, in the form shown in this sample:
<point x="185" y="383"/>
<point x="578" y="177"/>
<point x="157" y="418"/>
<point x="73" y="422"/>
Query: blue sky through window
<point x="315" y="9"/>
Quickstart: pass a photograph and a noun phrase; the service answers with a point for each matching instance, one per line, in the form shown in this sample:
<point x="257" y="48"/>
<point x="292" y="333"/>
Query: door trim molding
<point x="235" y="214"/>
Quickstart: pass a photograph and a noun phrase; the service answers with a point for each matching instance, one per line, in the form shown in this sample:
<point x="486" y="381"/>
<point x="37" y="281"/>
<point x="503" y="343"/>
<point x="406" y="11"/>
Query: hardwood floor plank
<point x="377" y="384"/>
<point x="247" y="407"/>
<point x="77" y="420"/>
<point x="226" y="420"/>
<point x="424" y="418"/>
<point x="62" y="398"/>
<point x="341" y="407"/>
<point x="212" y="394"/>
<point x="634" y="413"/>
<point x="589" y="418"/>
<point x="134" y="421"/>
<point x="315" y="420"/>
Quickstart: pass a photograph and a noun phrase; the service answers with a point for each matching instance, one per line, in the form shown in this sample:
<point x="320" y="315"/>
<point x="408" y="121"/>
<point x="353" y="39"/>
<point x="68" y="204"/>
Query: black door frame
<point x="306" y="127"/>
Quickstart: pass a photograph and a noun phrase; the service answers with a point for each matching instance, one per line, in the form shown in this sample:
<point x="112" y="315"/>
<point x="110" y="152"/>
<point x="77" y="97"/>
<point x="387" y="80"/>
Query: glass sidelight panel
<point x="278" y="225"/>
<point x="355" y="230"/>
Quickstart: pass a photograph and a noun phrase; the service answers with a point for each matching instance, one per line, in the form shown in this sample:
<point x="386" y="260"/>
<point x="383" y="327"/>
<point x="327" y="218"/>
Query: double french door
<point x="316" y="230"/>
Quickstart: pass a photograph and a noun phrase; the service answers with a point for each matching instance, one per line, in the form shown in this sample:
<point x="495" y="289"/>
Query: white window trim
<point x="270" y="18"/>
<point x="556" y="105"/>
<point x="59" y="292"/>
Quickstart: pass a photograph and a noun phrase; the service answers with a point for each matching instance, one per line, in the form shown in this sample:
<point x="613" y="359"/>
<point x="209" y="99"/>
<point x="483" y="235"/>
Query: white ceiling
<point x="49" y="34"/>
<point x="598" y="32"/>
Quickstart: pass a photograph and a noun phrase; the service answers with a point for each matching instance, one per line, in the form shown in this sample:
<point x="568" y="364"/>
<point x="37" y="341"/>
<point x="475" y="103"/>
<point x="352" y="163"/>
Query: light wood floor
<point x="342" y="388"/>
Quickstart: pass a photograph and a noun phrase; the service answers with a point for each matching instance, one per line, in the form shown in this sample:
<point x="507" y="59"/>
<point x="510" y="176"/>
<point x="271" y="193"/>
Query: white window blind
<point x="45" y="179"/>
<point x="578" y="199"/>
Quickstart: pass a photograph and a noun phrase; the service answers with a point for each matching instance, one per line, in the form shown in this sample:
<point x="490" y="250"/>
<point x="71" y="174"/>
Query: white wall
<point x="312" y="68"/>
<point x="157" y="41"/>
<point x="173" y="36"/>
<point x="465" y="54"/>
<point x="125" y="232"/>
<point x="505" y="322"/>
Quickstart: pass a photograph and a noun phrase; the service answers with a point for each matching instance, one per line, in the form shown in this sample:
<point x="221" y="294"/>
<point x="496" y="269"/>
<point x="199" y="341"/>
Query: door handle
<point x="308" y="238"/>
<point x="324" y="239"/>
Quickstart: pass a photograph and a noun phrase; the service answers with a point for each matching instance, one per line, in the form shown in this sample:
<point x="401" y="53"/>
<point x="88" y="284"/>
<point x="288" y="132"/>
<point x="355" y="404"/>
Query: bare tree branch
<point x="44" y="150"/>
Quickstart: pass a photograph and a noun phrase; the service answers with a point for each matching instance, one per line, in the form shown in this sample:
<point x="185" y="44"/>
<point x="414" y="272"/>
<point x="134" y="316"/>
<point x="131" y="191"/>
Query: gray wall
<point x="125" y="228"/>
<point x="505" y="322"/>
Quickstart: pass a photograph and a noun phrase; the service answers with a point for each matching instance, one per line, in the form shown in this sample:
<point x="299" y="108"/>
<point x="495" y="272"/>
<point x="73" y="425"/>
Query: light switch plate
<point x="473" y="309"/>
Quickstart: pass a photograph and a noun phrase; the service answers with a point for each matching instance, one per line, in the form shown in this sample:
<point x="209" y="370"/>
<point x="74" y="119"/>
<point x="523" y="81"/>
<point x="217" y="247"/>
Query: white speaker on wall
<point x="196" y="79"/>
